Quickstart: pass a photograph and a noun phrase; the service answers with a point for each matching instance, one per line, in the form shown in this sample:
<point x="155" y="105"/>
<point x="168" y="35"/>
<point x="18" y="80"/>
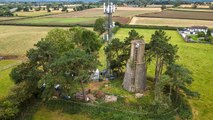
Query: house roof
<point x="198" y="27"/>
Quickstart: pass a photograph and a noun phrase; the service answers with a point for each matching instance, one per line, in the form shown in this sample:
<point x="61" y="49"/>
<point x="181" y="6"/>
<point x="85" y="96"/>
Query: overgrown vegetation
<point x="63" y="49"/>
<point x="5" y="11"/>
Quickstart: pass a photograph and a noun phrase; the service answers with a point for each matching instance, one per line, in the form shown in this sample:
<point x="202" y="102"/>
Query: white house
<point x="196" y="29"/>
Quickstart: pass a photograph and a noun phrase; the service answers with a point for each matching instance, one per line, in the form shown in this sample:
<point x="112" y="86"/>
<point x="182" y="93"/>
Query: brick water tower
<point x="135" y="75"/>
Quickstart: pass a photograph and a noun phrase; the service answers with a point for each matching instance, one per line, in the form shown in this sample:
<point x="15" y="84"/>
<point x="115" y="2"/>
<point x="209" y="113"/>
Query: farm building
<point x="196" y="29"/>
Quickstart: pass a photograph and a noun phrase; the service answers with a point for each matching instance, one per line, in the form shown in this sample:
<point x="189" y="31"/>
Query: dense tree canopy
<point x="118" y="52"/>
<point x="62" y="57"/>
<point x="162" y="51"/>
<point x="99" y="25"/>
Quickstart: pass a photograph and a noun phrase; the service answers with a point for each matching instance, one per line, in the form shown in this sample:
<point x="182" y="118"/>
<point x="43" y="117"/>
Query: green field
<point x="45" y="20"/>
<point x="199" y="59"/>
<point x="5" y="82"/>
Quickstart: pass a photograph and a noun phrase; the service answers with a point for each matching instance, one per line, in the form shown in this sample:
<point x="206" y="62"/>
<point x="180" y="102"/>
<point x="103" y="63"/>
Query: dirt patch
<point x="9" y="57"/>
<point x="180" y="15"/>
<point x="122" y="20"/>
<point x="94" y="86"/>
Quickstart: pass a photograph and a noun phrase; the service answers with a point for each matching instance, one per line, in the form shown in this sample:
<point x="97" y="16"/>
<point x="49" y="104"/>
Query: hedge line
<point x="23" y="17"/>
<point x="92" y="25"/>
<point x="106" y="113"/>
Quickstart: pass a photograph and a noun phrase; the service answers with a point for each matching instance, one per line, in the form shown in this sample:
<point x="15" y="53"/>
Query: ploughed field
<point x="85" y="17"/>
<point x="180" y="15"/>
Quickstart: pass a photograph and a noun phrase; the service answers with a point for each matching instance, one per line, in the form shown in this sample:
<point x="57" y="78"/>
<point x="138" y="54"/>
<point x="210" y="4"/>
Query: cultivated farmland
<point x="170" y="22"/>
<point x="98" y="12"/>
<point x="180" y="15"/>
<point x="192" y="10"/>
<point x="85" y="17"/>
<point x="53" y="21"/>
<point x="8" y="18"/>
<point x="17" y="40"/>
<point x="36" y="13"/>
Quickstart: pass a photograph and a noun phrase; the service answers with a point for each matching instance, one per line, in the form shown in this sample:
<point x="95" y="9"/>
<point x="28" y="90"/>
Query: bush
<point x="211" y="6"/>
<point x="194" y="6"/>
<point x="99" y="25"/>
<point x="18" y="98"/>
<point x="201" y="34"/>
<point x="184" y="108"/>
<point x="115" y="29"/>
<point x="163" y="7"/>
<point x="8" y="109"/>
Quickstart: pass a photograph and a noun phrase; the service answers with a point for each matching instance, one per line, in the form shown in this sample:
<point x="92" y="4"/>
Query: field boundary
<point x="10" y="66"/>
<point x="171" y="18"/>
<point x="92" y="25"/>
<point x="30" y="17"/>
<point x="191" y="10"/>
<point x="82" y="104"/>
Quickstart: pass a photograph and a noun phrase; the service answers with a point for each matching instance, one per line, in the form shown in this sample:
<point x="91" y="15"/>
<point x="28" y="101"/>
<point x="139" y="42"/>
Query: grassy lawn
<point x="45" y="114"/>
<point x="170" y="22"/>
<point x="45" y="20"/>
<point x="194" y="37"/>
<point x="199" y="59"/>
<point x="6" y="82"/>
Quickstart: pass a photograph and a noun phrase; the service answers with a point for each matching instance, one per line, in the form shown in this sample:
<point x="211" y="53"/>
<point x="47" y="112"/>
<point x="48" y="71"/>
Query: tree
<point x="161" y="99"/>
<point x="177" y="3"/>
<point x="211" y="6"/>
<point x="114" y="54"/>
<point x="99" y="25"/>
<point x="48" y="8"/>
<point x="26" y="9"/>
<point x="209" y="33"/>
<point x="163" y="7"/>
<point x="67" y="64"/>
<point x="180" y="80"/>
<point x="194" y="6"/>
<point x="53" y="60"/>
<point x="163" y="52"/>
<point x="118" y="52"/>
<point x="145" y="2"/>
<point x="201" y="34"/>
<point x="64" y="9"/>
